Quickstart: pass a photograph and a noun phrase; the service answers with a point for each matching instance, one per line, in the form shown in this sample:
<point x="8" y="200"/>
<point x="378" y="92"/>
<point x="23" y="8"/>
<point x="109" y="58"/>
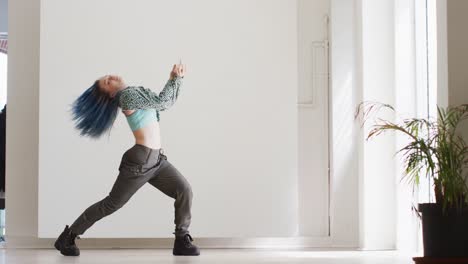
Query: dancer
<point x="94" y="113"/>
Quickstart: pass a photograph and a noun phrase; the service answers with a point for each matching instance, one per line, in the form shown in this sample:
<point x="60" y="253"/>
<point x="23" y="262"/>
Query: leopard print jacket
<point x="139" y="97"/>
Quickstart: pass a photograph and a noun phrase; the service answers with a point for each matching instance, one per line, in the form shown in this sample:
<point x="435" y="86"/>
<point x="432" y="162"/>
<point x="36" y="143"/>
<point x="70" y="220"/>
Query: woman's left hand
<point x="177" y="70"/>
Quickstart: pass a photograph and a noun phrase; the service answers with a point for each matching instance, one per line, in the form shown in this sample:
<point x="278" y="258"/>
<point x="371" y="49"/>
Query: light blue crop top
<point x="146" y="103"/>
<point x="141" y="117"/>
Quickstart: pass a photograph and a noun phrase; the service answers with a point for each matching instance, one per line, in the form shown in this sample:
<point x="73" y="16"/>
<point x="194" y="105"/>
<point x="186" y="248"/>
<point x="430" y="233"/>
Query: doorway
<point x="313" y="118"/>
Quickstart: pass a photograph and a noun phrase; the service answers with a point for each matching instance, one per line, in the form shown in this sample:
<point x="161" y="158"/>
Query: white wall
<point x="232" y="133"/>
<point x="22" y="177"/>
<point x="344" y="98"/>
<point x="405" y="69"/>
<point x="442" y="49"/>
<point x="3" y="15"/>
<point x="377" y="196"/>
<point x="22" y="122"/>
<point x="457" y="52"/>
<point x="457" y="41"/>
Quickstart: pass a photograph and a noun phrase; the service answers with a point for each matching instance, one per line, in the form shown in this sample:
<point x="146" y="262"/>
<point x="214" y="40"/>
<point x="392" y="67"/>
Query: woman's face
<point x="111" y="84"/>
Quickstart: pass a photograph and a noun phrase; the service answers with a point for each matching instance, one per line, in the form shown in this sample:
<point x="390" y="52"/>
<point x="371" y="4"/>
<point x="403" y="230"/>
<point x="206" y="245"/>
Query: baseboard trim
<point x="163" y="243"/>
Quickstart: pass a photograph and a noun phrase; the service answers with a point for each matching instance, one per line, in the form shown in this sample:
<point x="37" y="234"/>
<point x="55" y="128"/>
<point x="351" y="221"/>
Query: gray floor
<point x="218" y="256"/>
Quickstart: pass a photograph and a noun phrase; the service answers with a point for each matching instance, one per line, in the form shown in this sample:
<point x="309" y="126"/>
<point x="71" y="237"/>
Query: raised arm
<point x="144" y="98"/>
<point x="170" y="92"/>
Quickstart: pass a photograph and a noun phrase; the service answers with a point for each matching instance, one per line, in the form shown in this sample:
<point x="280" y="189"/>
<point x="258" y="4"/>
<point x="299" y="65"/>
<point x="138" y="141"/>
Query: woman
<point x="94" y="113"/>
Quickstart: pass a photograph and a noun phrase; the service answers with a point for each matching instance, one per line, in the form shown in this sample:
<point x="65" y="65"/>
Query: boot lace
<point x="71" y="238"/>
<point x="188" y="240"/>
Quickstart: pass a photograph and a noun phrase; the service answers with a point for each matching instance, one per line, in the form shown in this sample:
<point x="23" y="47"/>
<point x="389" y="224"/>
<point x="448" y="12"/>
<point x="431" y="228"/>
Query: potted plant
<point x="434" y="150"/>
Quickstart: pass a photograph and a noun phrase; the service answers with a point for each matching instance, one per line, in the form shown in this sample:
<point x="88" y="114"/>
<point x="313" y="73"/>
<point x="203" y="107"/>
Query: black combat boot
<point x="183" y="246"/>
<point x="66" y="243"/>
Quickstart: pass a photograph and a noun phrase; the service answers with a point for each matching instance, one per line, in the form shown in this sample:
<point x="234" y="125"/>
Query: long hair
<point x="94" y="112"/>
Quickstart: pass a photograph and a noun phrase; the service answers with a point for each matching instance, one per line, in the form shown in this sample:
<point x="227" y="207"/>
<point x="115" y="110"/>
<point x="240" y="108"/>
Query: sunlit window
<point x="3" y="70"/>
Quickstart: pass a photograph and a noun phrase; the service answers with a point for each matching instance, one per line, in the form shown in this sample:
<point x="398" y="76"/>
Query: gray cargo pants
<point x="141" y="164"/>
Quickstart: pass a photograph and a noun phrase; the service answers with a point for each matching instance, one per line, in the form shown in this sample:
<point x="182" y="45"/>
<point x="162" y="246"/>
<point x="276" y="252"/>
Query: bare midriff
<point x="149" y="135"/>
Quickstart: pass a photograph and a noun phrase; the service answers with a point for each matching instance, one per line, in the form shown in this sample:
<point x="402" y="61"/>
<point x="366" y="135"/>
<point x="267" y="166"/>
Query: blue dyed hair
<point x="94" y="112"/>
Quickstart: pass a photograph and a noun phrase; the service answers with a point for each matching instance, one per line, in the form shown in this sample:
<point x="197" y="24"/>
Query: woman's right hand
<point x="177" y="70"/>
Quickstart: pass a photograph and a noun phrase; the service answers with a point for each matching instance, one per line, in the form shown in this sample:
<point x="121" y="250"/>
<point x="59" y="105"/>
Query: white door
<point x="313" y="165"/>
